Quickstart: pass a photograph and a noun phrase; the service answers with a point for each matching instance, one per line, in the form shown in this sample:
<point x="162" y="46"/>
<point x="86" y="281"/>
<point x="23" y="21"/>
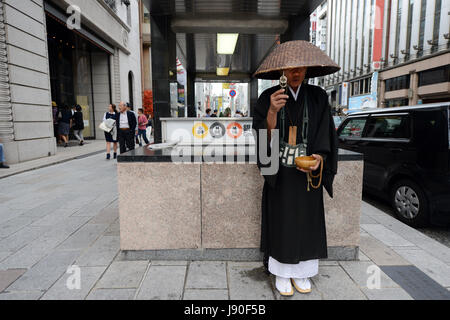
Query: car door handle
<point x="396" y="150"/>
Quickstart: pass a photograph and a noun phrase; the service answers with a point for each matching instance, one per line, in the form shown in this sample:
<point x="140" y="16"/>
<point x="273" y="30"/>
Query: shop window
<point x="392" y="127"/>
<point x="436" y="75"/>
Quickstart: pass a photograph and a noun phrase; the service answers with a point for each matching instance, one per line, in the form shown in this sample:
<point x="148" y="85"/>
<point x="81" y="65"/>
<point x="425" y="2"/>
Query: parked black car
<point x="406" y="158"/>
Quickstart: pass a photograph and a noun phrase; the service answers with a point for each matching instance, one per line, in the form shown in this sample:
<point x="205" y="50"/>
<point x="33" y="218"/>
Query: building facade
<point x="392" y="52"/>
<point x="66" y="52"/>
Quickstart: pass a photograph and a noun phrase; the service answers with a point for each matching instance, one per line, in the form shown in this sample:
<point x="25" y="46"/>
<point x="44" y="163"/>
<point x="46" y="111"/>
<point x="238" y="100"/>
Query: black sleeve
<point x="260" y="123"/>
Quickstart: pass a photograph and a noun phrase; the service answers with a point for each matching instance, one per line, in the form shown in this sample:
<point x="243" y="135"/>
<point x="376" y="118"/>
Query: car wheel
<point x="409" y="203"/>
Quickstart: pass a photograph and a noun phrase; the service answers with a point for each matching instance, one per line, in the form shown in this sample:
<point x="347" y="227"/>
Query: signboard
<point x="232" y="93"/>
<point x="366" y="101"/>
<point x="215" y="131"/>
<point x="344" y="99"/>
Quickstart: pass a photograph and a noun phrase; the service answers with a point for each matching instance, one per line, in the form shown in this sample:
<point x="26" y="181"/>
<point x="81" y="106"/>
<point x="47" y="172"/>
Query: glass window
<point x="436" y="75"/>
<point x="393" y="127"/>
<point x="353" y="128"/>
<point x="398" y="83"/>
<point x="401" y="102"/>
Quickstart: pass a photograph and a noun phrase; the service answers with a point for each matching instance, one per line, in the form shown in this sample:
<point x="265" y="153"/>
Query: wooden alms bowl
<point x="305" y="162"/>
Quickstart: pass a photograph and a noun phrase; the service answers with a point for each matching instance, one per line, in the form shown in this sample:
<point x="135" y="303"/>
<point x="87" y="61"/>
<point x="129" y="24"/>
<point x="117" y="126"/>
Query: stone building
<point x="66" y="51"/>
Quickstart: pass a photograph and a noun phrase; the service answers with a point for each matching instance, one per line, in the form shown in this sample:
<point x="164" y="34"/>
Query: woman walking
<point x="78" y="124"/>
<point x="111" y="114"/>
<point x="65" y="119"/>
<point x="142" y="127"/>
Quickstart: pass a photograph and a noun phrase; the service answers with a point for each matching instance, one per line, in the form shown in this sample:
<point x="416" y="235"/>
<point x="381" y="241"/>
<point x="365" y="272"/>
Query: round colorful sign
<point x="200" y="130"/>
<point x="217" y="130"/>
<point x="233" y="93"/>
<point x="234" y="130"/>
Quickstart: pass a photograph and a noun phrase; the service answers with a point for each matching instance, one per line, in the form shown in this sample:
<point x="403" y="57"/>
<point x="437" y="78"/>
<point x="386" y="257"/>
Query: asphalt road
<point x="441" y="234"/>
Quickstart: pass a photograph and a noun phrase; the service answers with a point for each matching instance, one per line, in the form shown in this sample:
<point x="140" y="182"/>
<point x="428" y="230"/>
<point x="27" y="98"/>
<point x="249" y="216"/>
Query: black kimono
<point x="293" y="219"/>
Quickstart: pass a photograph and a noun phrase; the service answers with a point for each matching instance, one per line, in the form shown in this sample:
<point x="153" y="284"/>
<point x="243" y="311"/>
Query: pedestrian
<point x="126" y="128"/>
<point x="130" y="108"/>
<point x="293" y="234"/>
<point x="112" y="113"/>
<point x="64" y="122"/>
<point x="2" y="158"/>
<point x="214" y="115"/>
<point x="78" y="124"/>
<point x="208" y="113"/>
<point x="142" y="127"/>
<point x="55" y="120"/>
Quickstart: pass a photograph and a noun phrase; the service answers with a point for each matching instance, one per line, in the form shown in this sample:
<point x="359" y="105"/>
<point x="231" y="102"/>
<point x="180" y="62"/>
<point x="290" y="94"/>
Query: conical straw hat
<point x="295" y="54"/>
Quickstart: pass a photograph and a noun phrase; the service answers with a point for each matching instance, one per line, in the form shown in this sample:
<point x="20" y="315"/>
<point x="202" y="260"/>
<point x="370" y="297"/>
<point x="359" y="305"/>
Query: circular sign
<point x="200" y="130"/>
<point x="217" y="130"/>
<point x="233" y="93"/>
<point x="234" y="130"/>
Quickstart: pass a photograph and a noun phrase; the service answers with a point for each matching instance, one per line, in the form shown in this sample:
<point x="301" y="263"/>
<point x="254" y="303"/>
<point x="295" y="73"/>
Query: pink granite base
<point x="217" y="206"/>
<point x="159" y="206"/>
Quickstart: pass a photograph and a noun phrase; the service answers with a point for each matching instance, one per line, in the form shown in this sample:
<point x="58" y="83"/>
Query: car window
<point x="391" y="127"/>
<point x="353" y="128"/>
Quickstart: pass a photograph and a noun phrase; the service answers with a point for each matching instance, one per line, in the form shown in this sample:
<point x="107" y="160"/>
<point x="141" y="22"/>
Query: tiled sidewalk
<point x="67" y="214"/>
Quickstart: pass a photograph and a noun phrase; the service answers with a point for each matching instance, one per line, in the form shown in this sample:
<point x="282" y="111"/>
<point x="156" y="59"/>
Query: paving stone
<point x="21" y="295"/>
<point x="335" y="284"/>
<point x="379" y="253"/>
<point x="11" y="226"/>
<point x="85" y="236"/>
<point x="107" y="215"/>
<point x="163" y="283"/>
<point x="101" y="253"/>
<point x="46" y="272"/>
<point x="365" y="219"/>
<point x="328" y="263"/>
<point x="205" y="294"/>
<point x="248" y="264"/>
<point x="207" y="275"/>
<point x="61" y="291"/>
<point x="433" y="267"/>
<point x="21" y="238"/>
<point x="383" y="234"/>
<point x="386" y="294"/>
<point x="53" y="218"/>
<point x="168" y="263"/>
<point x="111" y="294"/>
<point x="41" y="247"/>
<point x="7" y="277"/>
<point x="123" y="274"/>
<point x="362" y="256"/>
<point x="113" y="229"/>
<point x="247" y="283"/>
<point x="4" y="255"/>
<point x="360" y="273"/>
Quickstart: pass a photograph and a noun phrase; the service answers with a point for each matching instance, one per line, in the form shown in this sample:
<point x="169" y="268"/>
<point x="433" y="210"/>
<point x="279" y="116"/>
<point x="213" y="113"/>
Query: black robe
<point x="293" y="219"/>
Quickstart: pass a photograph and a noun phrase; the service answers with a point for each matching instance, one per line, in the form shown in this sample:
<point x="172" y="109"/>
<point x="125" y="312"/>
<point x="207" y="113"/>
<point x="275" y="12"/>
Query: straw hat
<point x="295" y="54"/>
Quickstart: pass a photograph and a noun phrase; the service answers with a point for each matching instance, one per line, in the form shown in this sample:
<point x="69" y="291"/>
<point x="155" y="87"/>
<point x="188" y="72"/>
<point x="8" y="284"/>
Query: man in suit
<point x="126" y="127"/>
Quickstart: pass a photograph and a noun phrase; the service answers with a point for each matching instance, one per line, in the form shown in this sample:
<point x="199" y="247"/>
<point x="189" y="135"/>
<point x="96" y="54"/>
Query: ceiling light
<point x="226" y="42"/>
<point x="222" y="71"/>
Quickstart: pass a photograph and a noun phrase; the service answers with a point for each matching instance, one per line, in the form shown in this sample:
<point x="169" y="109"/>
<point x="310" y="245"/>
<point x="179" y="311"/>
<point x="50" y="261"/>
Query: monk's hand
<point x="277" y="101"/>
<point x="318" y="158"/>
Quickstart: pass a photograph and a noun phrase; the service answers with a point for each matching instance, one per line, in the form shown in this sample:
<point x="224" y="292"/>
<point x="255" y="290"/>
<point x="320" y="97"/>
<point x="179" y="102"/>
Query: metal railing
<point x="406" y="56"/>
<point x="112" y="4"/>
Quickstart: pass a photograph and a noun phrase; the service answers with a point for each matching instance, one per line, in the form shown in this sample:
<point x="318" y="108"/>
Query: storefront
<point x="79" y="70"/>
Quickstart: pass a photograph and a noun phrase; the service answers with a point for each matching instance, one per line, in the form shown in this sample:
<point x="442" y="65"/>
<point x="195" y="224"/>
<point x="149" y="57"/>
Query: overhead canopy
<point x="259" y="23"/>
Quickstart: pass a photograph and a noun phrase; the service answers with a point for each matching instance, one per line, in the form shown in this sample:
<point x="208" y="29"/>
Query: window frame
<point x="387" y="139"/>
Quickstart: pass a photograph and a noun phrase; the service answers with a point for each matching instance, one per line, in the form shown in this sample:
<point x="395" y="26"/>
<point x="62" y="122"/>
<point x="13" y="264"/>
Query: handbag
<point x="107" y="125"/>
